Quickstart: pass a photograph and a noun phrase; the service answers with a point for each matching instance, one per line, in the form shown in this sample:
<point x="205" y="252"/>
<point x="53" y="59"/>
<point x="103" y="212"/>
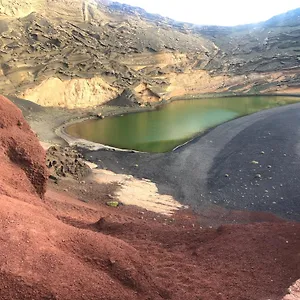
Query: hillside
<point x="54" y="245"/>
<point x="61" y="235"/>
<point x="84" y="53"/>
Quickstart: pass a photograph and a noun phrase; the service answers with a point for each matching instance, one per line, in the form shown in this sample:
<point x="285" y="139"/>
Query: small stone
<point x="52" y="177"/>
<point x="112" y="261"/>
<point x="254" y="162"/>
<point x="262" y="152"/>
<point x="269" y="166"/>
<point x="257" y="176"/>
<point x="226" y="175"/>
<point x="113" y="203"/>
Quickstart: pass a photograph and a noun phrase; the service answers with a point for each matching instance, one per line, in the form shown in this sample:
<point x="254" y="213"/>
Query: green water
<point x="170" y="125"/>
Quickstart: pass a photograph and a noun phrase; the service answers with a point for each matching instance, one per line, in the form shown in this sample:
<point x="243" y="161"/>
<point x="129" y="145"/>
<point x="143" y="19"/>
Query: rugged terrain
<point x="85" y="53"/>
<point x="60" y="239"/>
<point x="56" y="246"/>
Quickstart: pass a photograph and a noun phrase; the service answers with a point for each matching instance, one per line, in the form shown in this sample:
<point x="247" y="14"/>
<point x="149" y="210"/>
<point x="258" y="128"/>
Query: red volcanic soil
<point x="54" y="246"/>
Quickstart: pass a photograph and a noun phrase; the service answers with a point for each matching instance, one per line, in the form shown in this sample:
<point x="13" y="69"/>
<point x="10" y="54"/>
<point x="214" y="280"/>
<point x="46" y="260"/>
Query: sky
<point x="216" y="12"/>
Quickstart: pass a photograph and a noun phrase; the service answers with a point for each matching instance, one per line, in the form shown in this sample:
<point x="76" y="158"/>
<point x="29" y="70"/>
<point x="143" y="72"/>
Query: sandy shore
<point x="49" y="122"/>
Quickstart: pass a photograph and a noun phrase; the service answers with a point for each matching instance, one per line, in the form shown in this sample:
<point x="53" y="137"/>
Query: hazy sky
<point x="216" y="12"/>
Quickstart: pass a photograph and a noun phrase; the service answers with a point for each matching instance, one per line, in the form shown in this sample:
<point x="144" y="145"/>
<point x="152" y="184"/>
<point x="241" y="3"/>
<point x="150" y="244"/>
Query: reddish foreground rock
<point x="43" y="258"/>
<point x="20" y="147"/>
<point x="62" y="248"/>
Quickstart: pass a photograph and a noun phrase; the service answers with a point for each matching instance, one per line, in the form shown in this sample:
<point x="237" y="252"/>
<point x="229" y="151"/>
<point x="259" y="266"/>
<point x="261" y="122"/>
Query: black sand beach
<point x="250" y="163"/>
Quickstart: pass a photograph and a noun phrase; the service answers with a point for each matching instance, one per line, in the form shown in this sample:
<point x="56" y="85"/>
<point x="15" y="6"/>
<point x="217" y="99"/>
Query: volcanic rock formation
<point x="41" y="257"/>
<point x="19" y="147"/>
<point x="88" y="52"/>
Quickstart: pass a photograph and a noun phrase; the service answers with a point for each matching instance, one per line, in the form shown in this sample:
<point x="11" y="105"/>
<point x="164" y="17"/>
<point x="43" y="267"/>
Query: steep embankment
<point x="38" y="251"/>
<point x="91" y="51"/>
<point x="72" y="44"/>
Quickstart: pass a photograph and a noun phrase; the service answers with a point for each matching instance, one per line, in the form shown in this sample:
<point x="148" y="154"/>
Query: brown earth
<point x="83" y="53"/>
<point x="71" y="246"/>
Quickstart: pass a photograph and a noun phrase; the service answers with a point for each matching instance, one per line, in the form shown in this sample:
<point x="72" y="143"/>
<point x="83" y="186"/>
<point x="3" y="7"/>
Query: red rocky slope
<point x="57" y="248"/>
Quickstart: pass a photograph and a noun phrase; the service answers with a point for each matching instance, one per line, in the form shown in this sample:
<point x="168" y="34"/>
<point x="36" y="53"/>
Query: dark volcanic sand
<point x="196" y="173"/>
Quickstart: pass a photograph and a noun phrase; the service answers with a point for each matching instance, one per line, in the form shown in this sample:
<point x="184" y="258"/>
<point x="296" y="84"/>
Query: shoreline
<point x="195" y="174"/>
<point x="89" y="145"/>
<point x="228" y="95"/>
<point x="119" y="111"/>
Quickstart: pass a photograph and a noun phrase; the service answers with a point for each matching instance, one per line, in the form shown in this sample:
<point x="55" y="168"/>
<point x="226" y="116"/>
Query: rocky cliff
<point x="88" y="52"/>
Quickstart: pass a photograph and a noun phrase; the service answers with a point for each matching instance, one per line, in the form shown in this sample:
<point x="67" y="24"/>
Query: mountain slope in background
<point x="83" y="53"/>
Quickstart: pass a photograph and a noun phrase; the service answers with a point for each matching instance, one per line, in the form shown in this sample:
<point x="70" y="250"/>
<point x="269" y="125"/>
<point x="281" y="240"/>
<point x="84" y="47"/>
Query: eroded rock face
<point x="22" y="160"/>
<point x="19" y="9"/>
<point x="91" y="51"/>
<point x="74" y="93"/>
<point x="91" y="46"/>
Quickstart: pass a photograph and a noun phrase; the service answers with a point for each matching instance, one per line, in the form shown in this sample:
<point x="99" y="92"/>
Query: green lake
<point x="171" y="125"/>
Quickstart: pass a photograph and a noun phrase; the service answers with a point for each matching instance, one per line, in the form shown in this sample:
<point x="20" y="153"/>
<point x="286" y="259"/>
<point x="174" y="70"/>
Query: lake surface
<point x="172" y="124"/>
